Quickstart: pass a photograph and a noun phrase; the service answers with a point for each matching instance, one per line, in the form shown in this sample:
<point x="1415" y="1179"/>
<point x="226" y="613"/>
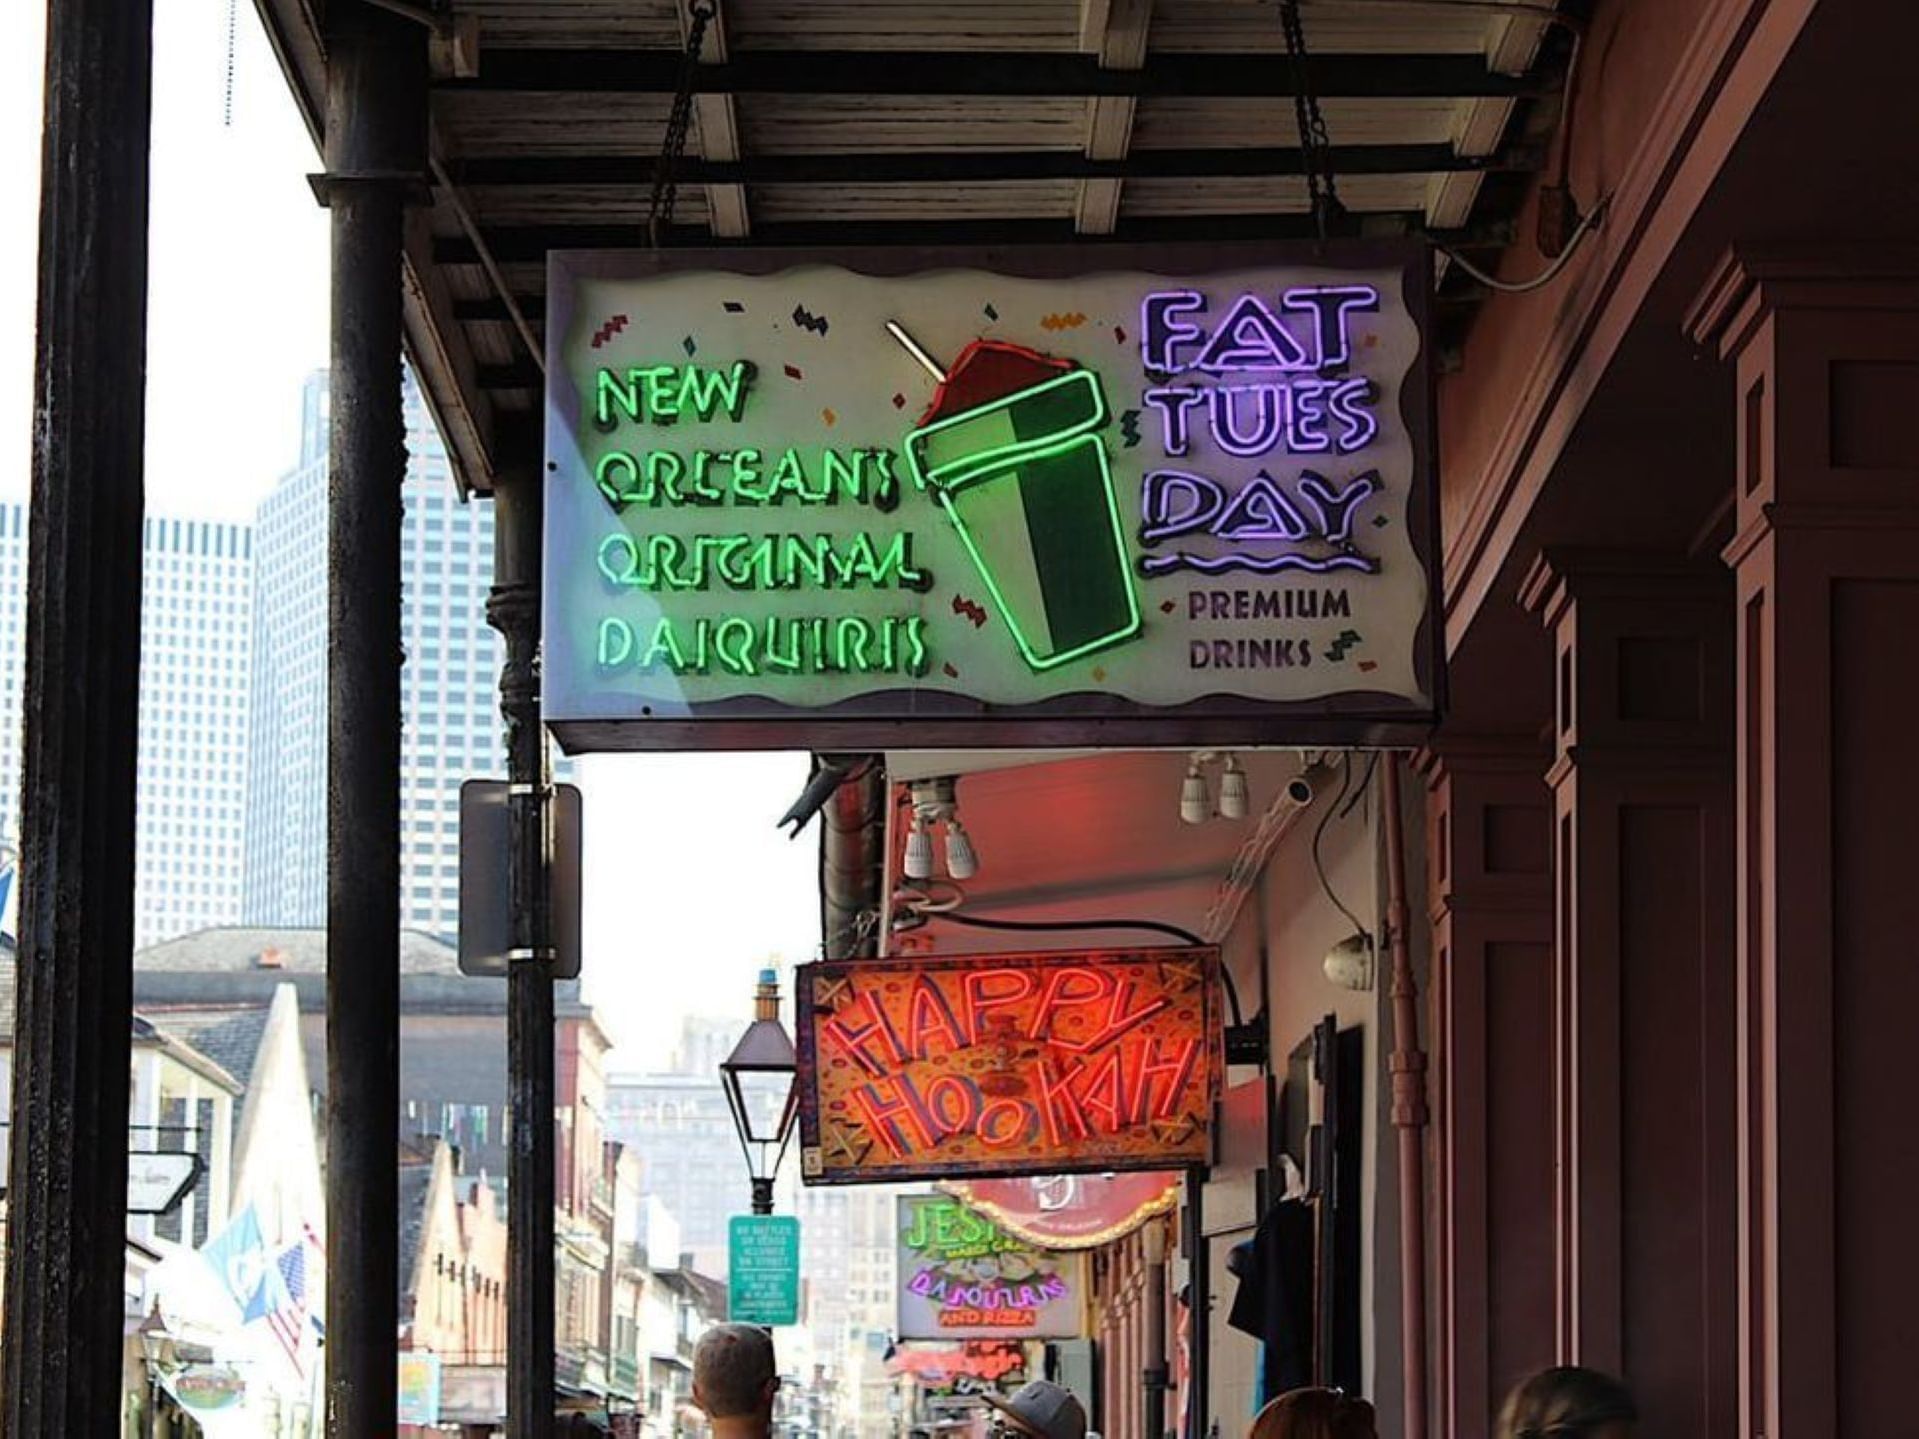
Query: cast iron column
<point x="66" y="1245"/>
<point x="375" y="158"/>
<point x="1155" y="1374"/>
<point x="514" y="610"/>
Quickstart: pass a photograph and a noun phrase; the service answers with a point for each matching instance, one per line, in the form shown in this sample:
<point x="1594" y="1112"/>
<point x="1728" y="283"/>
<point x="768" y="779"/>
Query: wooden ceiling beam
<point x="852" y="73"/>
<point x="1115" y="31"/>
<point x="1512" y="48"/>
<point x="891" y="167"/>
<point x="717" y="118"/>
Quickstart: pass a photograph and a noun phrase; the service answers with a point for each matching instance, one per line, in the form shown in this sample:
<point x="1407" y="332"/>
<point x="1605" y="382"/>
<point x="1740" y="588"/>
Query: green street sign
<point x="763" y="1269"/>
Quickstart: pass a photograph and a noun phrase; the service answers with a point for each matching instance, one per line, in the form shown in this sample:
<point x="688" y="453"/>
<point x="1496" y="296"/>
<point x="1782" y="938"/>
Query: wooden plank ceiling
<point x="934" y="122"/>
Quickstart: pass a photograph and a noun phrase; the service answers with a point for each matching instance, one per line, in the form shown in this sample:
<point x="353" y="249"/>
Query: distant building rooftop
<point x="238" y="963"/>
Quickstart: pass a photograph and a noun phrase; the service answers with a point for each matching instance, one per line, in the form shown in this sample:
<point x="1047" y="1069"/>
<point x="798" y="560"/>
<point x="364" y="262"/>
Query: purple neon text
<point x="1309" y="331"/>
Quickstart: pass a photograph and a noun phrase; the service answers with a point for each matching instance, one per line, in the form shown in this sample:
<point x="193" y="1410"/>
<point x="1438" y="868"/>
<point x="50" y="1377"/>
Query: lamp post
<point x="154" y="1340"/>
<point x="760" y="1077"/>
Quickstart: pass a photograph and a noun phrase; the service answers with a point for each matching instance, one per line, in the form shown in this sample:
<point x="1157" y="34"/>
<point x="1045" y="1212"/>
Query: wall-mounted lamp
<point x="1349" y="964"/>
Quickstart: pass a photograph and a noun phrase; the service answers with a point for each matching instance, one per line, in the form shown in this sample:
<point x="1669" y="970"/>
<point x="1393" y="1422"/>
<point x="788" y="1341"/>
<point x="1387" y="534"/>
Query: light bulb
<point x="1232" y="791"/>
<point x="919" y="851"/>
<point x="961" y="862"/>
<point x="1195" y="805"/>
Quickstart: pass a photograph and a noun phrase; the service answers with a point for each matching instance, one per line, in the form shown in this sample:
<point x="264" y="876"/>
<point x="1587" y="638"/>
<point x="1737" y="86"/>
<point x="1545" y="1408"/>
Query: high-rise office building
<point x="195" y="652"/>
<point x="449" y="684"/>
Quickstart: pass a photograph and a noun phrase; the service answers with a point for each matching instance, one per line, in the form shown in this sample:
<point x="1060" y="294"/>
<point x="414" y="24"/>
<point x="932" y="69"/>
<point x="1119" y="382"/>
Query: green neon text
<point x="845" y="644"/>
<point x="746" y="477"/>
<point x="662" y="394"/>
<point x="760" y="562"/>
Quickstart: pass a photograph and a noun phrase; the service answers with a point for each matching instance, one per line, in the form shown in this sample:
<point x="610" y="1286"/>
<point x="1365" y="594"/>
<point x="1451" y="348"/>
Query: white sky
<point x="689" y="888"/>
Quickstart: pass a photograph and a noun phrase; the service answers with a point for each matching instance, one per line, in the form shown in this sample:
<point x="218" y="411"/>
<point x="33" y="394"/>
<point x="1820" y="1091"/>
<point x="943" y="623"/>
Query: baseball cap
<point x="1048" y="1410"/>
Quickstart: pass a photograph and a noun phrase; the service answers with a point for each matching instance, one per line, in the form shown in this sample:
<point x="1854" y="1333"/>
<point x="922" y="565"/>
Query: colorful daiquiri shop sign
<point x="960" y="1275"/>
<point x="1007" y="1064"/>
<point x="1011" y="497"/>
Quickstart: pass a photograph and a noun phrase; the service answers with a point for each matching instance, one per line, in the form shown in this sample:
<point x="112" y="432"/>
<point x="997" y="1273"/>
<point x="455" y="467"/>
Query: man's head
<point x="733" y="1372"/>
<point x="1042" y="1410"/>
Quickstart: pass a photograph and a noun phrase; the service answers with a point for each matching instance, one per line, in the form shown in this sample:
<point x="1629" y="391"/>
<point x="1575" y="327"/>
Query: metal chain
<point x="1315" y="147"/>
<point x="666" y="186"/>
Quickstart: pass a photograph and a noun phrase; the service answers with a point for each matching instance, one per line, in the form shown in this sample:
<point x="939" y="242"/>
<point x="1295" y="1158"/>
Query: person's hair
<point x="1315" y="1414"/>
<point x="732" y="1365"/>
<point x="1565" y="1403"/>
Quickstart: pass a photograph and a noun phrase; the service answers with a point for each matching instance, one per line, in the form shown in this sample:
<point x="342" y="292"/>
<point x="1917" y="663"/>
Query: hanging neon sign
<point x="1016" y="1064"/>
<point x="799" y="502"/>
<point x="960" y="1274"/>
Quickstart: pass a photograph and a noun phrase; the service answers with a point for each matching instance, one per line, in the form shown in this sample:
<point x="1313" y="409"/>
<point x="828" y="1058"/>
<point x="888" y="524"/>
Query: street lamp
<point x="154" y="1343"/>
<point x="761" y="1077"/>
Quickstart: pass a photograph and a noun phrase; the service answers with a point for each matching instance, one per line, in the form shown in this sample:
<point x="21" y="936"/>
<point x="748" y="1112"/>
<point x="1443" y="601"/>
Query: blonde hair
<point x="1565" y="1403"/>
<point x="1315" y="1414"/>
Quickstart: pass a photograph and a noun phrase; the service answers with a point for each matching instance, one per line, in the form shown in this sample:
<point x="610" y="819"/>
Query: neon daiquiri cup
<point x="1010" y="447"/>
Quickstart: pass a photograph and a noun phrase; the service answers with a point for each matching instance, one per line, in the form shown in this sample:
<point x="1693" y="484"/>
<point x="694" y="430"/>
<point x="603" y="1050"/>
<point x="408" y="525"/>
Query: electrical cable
<point x="1063" y="926"/>
<point x="1365" y="781"/>
<point x="1545" y="277"/>
<point x="1319" y="833"/>
<point x="1066" y="926"/>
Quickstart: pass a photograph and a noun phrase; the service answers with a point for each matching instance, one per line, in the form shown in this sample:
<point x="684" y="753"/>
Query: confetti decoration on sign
<point x="688" y="345"/>
<point x="899" y="400"/>
<point x="733" y="307"/>
<point x="972" y="610"/>
<point x="1129" y="427"/>
<point x="1166" y="607"/>
<point x="1380" y="522"/>
<point x="1119" y="334"/>
<point x="951" y="673"/>
<point x="828" y="415"/>
<point x="989" y="311"/>
<point x="807" y="320"/>
<point x="1099" y="674"/>
<point x="793" y="372"/>
<point x="1336" y="651"/>
<point x="607" y="331"/>
<point x="1063" y="322"/>
<point x="1368" y="666"/>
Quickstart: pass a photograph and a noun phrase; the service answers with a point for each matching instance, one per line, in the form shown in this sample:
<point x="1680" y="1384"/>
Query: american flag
<point x="287" y="1319"/>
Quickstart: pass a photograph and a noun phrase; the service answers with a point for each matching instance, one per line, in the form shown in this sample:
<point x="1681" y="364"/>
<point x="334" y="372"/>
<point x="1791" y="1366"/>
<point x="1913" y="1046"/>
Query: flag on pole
<point x="238" y="1255"/>
<point x="287" y="1317"/>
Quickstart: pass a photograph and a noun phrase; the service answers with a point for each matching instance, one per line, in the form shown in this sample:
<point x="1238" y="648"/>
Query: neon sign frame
<point x="944" y="709"/>
<point x="1094" y="1061"/>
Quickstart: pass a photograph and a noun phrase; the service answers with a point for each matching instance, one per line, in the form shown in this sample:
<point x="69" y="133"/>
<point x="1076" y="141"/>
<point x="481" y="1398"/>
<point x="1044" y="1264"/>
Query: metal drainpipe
<point x="1409" y="1118"/>
<point x="852" y="863"/>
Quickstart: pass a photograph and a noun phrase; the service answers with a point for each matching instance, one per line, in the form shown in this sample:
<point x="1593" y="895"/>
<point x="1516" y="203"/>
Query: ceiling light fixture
<point x="935" y="804"/>
<point x="1196" y="795"/>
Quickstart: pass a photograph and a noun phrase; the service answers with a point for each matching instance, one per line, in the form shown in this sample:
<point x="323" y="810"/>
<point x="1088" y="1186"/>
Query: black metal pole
<point x="376" y="159"/>
<point x="66" y="1239"/>
<point x="1199" y="1302"/>
<point x="1155" y="1374"/>
<point x="514" y="610"/>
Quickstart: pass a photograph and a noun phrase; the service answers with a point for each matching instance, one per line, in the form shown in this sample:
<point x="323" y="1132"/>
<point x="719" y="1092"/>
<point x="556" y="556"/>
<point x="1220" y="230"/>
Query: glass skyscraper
<point x="449" y="684"/>
<point x="195" y="652"/>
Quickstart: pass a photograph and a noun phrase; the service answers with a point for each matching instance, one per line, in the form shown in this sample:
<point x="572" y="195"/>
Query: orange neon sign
<point x="1007" y="1064"/>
